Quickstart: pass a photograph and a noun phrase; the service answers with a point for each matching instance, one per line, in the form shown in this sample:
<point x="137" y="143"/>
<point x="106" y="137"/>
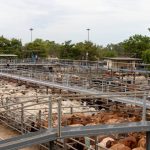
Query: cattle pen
<point x="66" y="104"/>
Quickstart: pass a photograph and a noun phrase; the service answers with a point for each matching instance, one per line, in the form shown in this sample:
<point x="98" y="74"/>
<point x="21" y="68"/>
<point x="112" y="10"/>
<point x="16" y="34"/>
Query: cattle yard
<point x="74" y="96"/>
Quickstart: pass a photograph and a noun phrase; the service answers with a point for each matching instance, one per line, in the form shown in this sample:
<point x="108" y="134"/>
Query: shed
<point x="122" y="63"/>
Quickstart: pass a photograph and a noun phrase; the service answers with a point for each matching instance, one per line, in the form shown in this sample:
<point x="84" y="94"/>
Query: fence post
<point x="40" y="114"/>
<point x="47" y="90"/>
<point x="96" y="143"/>
<point x="147" y="140"/>
<point x="144" y="108"/>
<point x="67" y="80"/>
<point x="51" y="143"/>
<point x="64" y="143"/>
<point x="50" y="114"/>
<point x="59" y="117"/>
<point x="71" y="110"/>
<point x="102" y="87"/>
<point x="22" y="118"/>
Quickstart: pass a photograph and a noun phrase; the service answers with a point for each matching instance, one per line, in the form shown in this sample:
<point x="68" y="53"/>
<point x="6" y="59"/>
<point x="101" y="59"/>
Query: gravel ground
<point x="6" y="133"/>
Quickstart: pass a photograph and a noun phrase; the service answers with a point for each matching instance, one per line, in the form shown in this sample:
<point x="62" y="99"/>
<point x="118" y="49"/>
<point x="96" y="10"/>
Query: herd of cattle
<point x="130" y="141"/>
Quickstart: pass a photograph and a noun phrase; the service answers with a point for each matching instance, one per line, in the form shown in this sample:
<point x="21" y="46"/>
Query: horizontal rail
<point x="68" y="132"/>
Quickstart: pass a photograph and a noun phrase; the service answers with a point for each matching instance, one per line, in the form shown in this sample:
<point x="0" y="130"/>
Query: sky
<point x="109" y="21"/>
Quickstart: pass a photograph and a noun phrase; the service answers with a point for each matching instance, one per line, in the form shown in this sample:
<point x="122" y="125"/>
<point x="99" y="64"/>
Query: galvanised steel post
<point x="88" y="30"/>
<point x="144" y="108"/>
<point x="148" y="140"/>
<point x="102" y="86"/>
<point x="50" y="113"/>
<point x="59" y="117"/>
<point x="96" y="143"/>
<point x="31" y="29"/>
<point x="40" y="118"/>
<point x="22" y="118"/>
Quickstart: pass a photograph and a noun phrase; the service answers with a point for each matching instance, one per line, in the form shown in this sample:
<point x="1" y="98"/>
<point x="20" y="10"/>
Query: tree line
<point x="135" y="46"/>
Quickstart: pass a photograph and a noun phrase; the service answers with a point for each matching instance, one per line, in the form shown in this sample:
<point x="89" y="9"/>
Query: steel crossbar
<point x="68" y="132"/>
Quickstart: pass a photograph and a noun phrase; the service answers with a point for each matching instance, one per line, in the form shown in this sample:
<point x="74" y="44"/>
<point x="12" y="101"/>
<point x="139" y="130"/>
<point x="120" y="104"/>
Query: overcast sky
<point x="110" y="21"/>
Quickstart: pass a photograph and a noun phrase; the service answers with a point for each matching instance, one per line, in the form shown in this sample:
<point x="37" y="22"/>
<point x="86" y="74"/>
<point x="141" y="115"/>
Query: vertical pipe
<point x="40" y="119"/>
<point x="22" y="118"/>
<point x="97" y="67"/>
<point x="144" y="108"/>
<point x="125" y="90"/>
<point x="7" y="108"/>
<point x="147" y="140"/>
<point x="68" y="80"/>
<point x="53" y="78"/>
<point x="47" y="90"/>
<point x="134" y="78"/>
<point x="96" y="143"/>
<point x="108" y="88"/>
<point x="71" y="110"/>
<point x="107" y="101"/>
<point x="102" y="86"/>
<point x="59" y="117"/>
<point x="50" y="114"/>
<point x="51" y="145"/>
<point x="65" y="146"/>
<point x="2" y="101"/>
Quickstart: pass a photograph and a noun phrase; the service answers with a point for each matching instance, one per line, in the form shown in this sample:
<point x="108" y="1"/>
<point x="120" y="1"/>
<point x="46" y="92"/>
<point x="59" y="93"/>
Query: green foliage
<point x="37" y="47"/>
<point x="42" y="48"/>
<point x="82" y="50"/>
<point x="12" y="46"/>
<point x="118" y="49"/>
<point x="107" y="53"/>
<point x="68" y="51"/>
<point x="87" y="47"/>
<point x="53" y="49"/>
<point x="146" y="56"/>
<point x="135" y="45"/>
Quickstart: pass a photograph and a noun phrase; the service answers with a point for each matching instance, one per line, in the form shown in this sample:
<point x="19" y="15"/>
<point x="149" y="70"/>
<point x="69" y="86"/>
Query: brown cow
<point x="119" y="146"/>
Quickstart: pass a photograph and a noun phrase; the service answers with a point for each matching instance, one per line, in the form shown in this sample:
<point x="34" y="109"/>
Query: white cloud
<point x="60" y="20"/>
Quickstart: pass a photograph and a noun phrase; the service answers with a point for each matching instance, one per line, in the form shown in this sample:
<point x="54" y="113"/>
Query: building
<point x="7" y="58"/>
<point x="122" y="63"/>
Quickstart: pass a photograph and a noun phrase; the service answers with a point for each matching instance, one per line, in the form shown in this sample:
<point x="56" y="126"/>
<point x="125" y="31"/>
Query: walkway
<point x="68" y="132"/>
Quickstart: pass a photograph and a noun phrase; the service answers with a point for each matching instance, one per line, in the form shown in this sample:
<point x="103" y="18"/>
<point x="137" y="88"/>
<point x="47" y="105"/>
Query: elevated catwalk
<point x="68" y="132"/>
<point x="77" y="89"/>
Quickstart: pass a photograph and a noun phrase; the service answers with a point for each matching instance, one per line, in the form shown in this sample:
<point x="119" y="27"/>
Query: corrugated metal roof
<point x="8" y="55"/>
<point x="124" y="58"/>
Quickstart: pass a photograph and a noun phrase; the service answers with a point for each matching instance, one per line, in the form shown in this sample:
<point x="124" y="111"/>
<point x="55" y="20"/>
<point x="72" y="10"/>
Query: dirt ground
<point x="6" y="133"/>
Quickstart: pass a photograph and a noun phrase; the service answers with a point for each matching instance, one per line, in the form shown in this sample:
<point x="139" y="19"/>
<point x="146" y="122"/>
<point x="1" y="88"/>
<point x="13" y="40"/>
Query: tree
<point x="37" y="47"/>
<point x="107" y="53"/>
<point x="135" y="45"/>
<point x="4" y="45"/>
<point x="87" y="48"/>
<point x="146" y="56"/>
<point x="16" y="47"/>
<point x="118" y="49"/>
<point x="53" y="49"/>
<point x="12" y="46"/>
<point x="69" y="51"/>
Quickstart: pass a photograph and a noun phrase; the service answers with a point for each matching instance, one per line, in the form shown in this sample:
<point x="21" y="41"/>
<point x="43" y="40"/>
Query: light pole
<point x="86" y="57"/>
<point x="88" y="34"/>
<point x="88" y="41"/>
<point x="31" y="29"/>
